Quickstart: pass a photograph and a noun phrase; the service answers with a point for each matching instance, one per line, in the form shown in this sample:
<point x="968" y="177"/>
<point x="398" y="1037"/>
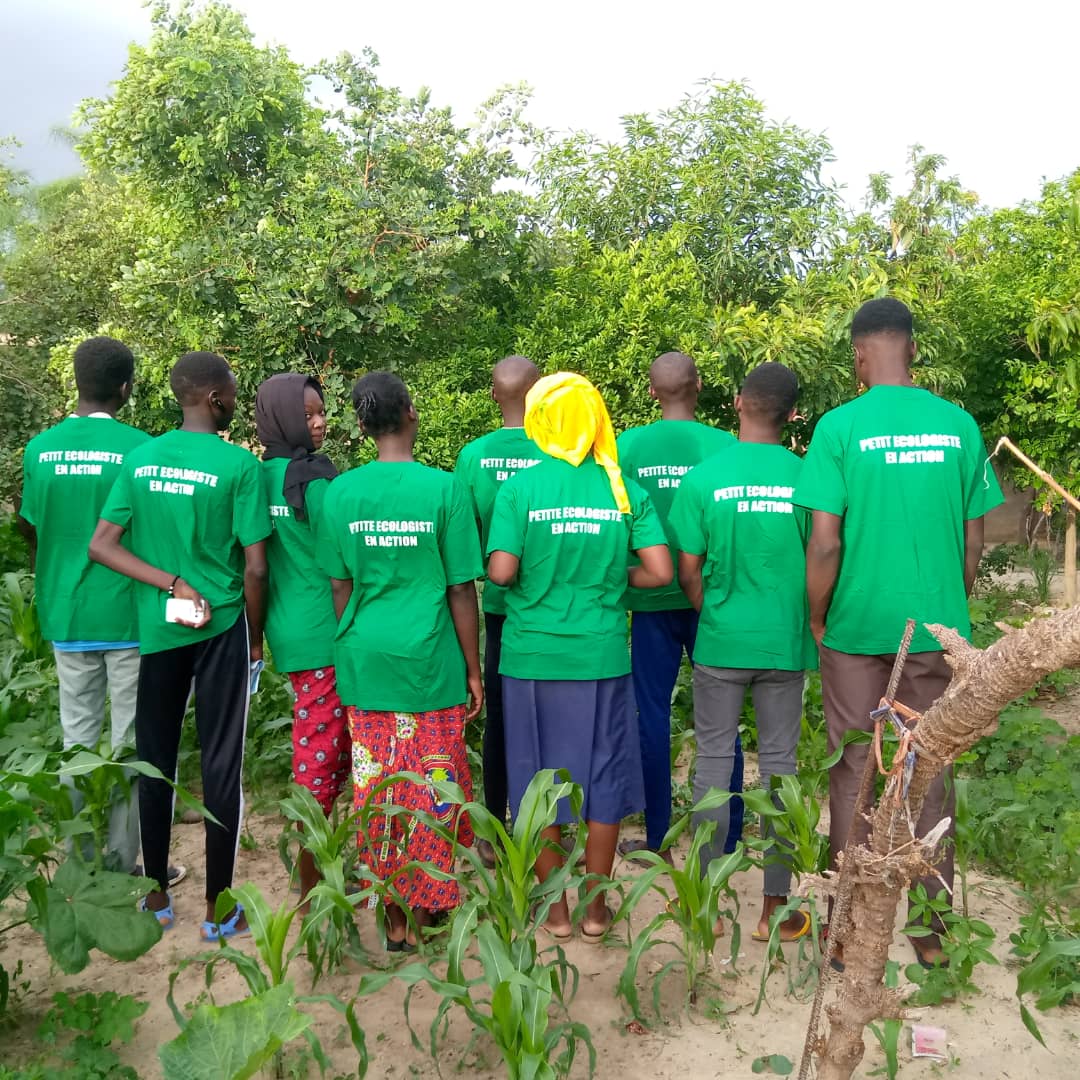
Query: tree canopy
<point x="320" y="220"/>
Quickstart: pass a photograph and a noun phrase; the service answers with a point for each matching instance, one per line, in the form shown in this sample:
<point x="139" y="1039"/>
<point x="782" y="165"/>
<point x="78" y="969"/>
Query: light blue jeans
<point x="86" y="679"/>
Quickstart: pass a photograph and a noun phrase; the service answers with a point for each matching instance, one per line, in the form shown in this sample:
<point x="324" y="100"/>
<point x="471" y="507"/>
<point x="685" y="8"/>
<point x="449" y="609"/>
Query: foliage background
<point x="320" y="220"/>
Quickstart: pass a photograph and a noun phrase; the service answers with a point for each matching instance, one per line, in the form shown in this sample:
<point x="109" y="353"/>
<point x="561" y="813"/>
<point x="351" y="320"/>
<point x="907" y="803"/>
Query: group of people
<point x="164" y="562"/>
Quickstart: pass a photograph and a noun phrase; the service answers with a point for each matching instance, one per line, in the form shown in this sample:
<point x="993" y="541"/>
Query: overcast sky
<point x="994" y="87"/>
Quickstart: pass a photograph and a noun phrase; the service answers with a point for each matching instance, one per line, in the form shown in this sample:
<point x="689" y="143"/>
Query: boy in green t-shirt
<point x="898" y="482"/>
<point x="193" y="510"/>
<point x="86" y="610"/>
<point x="742" y="566"/>
<point x="663" y="625"/>
<point x="482" y="466"/>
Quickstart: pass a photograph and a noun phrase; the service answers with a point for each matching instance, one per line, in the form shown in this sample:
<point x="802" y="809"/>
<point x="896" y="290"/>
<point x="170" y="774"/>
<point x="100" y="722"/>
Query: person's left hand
<point x="476" y="696"/>
<point x="256" y="651"/>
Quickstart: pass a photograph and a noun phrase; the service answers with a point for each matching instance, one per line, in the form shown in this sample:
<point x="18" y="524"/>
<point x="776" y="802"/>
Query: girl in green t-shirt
<point x="399" y="542"/>
<point x="560" y="536"/>
<point x="290" y="416"/>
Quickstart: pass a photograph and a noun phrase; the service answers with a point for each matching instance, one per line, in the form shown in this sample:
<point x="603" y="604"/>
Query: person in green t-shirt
<point x="290" y="418"/>
<point x="87" y="611"/>
<point x="192" y="508"/>
<point x="398" y="540"/>
<point x="663" y="625"/>
<point x="560" y="536"/>
<point x="898" y="482"/>
<point x="742" y="564"/>
<point x="482" y="466"/>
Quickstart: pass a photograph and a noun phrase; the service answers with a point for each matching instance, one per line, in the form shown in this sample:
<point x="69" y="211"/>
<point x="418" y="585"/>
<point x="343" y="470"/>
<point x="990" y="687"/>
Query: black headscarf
<point x="282" y="426"/>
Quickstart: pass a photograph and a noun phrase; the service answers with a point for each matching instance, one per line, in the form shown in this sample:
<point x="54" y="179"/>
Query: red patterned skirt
<point x="431" y="744"/>
<point x="320" y="735"/>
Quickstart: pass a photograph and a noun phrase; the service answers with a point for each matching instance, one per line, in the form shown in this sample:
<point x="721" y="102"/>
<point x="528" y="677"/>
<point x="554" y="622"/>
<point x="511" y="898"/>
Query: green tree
<point x="746" y="193"/>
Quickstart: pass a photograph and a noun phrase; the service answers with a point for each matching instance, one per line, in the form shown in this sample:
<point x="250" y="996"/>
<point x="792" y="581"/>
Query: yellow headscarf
<point x="566" y="417"/>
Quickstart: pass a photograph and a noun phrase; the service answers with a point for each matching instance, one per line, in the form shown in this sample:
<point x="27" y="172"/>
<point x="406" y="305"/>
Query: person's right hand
<point x="817" y="631"/>
<point x="183" y="591"/>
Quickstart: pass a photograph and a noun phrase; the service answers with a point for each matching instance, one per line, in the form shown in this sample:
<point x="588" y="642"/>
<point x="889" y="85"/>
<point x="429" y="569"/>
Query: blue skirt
<point x="589" y="728"/>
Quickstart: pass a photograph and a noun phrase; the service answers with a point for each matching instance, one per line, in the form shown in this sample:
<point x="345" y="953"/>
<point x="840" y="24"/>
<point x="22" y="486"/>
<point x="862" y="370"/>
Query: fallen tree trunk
<point x="983" y="683"/>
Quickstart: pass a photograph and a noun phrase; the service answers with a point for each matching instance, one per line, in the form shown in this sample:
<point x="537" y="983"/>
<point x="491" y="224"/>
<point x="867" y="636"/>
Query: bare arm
<point x="341" y="590"/>
<point x="105" y="548"/>
<point x="29" y="534"/>
<point x="822" y="567"/>
<point x="973" y="549"/>
<point x="690" y="578"/>
<point x="256" y="576"/>
<point x="502" y="567"/>
<point x="463" y="611"/>
<point x="655" y="570"/>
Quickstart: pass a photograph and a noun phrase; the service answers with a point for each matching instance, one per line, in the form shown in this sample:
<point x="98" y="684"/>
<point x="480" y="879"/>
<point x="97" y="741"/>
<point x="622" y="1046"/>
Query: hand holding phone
<point x="187" y="612"/>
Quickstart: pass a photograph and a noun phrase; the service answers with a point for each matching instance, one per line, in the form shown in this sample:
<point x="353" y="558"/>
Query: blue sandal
<point x="165" y="916"/>
<point x="223" y="931"/>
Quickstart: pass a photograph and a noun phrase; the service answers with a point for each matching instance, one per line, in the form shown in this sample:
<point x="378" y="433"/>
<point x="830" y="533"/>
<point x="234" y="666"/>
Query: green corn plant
<point x="1052" y="975"/>
<point x="794" y="814"/>
<point x="328" y="930"/>
<point x="521" y="985"/>
<point x="693" y="910"/>
<point x="20" y="614"/>
<point x="255" y="1030"/>
<point x="888" y="1031"/>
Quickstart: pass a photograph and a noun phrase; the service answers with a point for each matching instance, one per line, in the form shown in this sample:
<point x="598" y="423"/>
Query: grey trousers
<point x="778" y="707"/>
<point x="86" y="679"/>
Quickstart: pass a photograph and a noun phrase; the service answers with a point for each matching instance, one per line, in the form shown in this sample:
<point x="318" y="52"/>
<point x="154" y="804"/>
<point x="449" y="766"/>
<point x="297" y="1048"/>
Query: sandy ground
<point x="985" y="1034"/>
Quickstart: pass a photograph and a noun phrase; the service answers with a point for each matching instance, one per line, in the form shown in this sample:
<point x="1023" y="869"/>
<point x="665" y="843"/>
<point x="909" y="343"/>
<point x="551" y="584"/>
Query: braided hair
<point x="381" y="400"/>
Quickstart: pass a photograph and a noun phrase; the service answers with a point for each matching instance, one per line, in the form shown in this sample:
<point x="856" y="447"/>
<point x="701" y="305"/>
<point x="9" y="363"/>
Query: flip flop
<point x="801" y="932"/>
<point x="543" y="928"/>
<point x="164" y="916"/>
<point x="596" y="939"/>
<point x="224" y="931"/>
<point x="929" y="965"/>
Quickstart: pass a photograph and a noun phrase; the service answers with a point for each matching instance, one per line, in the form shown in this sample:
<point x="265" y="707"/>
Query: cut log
<point x="983" y="683"/>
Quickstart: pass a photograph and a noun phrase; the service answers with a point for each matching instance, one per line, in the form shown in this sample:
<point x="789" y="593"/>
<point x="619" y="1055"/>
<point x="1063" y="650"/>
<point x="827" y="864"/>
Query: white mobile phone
<point x="178" y="609"/>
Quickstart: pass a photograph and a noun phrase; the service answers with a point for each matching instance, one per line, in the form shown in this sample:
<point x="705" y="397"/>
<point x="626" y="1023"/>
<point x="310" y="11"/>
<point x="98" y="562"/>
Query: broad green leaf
<point x="89" y="909"/>
<point x="233" y="1042"/>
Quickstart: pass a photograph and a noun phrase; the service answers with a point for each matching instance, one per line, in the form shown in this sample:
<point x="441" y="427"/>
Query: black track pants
<point x="496" y="792"/>
<point x="219" y="668"/>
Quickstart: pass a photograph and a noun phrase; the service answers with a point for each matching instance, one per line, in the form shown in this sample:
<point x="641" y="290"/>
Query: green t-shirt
<point x="565" y="611"/>
<point x="736" y="510"/>
<point x="403" y="533"/>
<point x="300" y="622"/>
<point x="190" y="503"/>
<point x="905" y="469"/>
<point x="67" y="473"/>
<point x="482" y="466"/>
<point x="657" y="456"/>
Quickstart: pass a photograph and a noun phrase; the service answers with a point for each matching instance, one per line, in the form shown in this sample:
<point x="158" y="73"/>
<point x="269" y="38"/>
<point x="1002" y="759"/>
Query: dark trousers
<point x="219" y="667"/>
<point x="496" y="790"/>
<point x="851" y="687"/>
<point x="657" y="642"/>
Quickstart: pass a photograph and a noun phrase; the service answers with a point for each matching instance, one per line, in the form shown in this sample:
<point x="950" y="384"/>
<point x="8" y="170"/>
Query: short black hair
<point x="380" y="399"/>
<point x="102" y="366"/>
<point x="886" y="315"/>
<point x="771" y="391"/>
<point x="196" y="374"/>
